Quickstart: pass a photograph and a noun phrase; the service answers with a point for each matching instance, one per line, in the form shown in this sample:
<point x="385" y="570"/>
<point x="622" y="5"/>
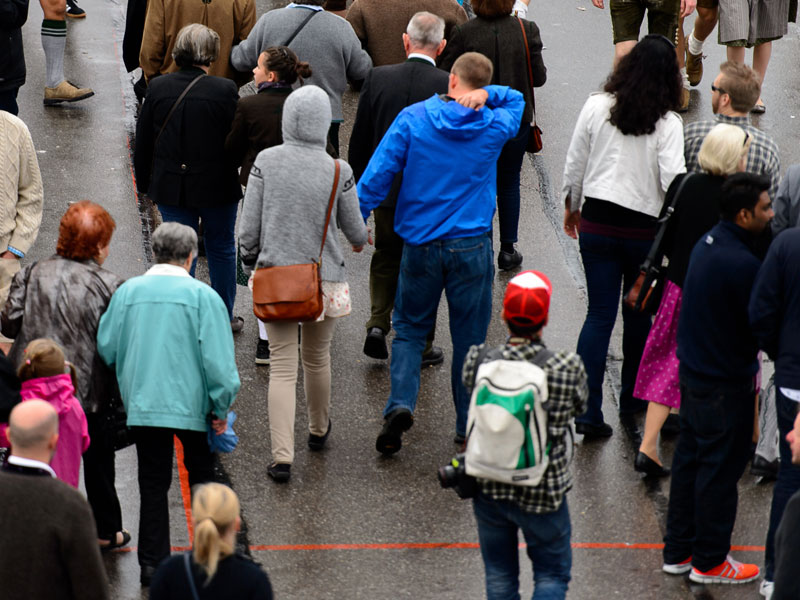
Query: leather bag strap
<point x="330" y="208"/>
<point x="175" y="106"/>
<point x="300" y="27"/>
<point x="530" y="68"/>
<point x="656" y="248"/>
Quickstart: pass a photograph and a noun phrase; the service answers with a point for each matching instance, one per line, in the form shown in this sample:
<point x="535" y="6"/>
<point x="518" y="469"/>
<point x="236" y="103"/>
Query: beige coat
<point x="21" y="194"/>
<point x="231" y="19"/>
<point x="380" y="24"/>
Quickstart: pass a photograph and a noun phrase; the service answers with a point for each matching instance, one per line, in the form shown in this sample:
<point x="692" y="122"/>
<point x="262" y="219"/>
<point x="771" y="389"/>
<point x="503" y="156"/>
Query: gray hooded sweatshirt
<point x="288" y="192"/>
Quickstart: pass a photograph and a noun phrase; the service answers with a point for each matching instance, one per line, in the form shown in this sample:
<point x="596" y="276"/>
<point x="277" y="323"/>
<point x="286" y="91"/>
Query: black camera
<point x="455" y="476"/>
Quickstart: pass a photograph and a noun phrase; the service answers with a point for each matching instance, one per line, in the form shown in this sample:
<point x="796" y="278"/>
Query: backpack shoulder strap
<point x="542" y="356"/>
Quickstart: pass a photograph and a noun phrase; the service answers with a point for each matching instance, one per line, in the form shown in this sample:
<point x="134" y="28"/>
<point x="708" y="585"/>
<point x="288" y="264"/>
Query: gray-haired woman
<point x="180" y="157"/>
<point x="275" y="232"/>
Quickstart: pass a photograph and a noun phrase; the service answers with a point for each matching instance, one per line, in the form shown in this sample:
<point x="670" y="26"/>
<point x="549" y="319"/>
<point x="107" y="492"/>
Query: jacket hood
<point x="57" y="390"/>
<point x="307" y="116"/>
<point x="455" y="121"/>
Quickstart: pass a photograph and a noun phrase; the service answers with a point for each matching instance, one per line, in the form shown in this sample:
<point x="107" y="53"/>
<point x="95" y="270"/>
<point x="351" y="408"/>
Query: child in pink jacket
<point x="46" y="375"/>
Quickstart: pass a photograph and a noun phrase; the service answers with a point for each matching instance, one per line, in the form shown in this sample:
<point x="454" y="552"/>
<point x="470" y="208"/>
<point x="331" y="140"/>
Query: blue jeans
<point x="547" y="536"/>
<point x="508" y="168"/>
<point x="611" y="265"/>
<point x="710" y="457"/>
<point x="788" y="478"/>
<point x="219" y="223"/>
<point x="463" y="268"/>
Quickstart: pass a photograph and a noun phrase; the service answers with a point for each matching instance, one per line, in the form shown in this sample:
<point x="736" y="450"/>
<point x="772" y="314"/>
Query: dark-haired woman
<point x="497" y="34"/>
<point x="257" y="125"/>
<point x="626" y="149"/>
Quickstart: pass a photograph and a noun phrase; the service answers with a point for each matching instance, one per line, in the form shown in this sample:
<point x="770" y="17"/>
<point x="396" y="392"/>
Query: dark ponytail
<point x="284" y="62"/>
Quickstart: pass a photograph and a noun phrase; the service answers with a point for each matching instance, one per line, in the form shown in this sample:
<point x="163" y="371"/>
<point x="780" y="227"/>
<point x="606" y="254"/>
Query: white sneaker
<point x="766" y="588"/>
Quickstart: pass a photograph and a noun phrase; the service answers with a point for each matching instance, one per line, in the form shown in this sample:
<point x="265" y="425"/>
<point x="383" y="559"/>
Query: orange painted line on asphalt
<point x="440" y="545"/>
<point x="186" y="492"/>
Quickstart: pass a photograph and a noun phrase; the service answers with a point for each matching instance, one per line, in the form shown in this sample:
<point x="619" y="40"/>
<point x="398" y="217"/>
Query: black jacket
<point x="386" y="91"/>
<point x="13" y="14"/>
<point x="501" y="41"/>
<point x="715" y="343"/>
<point x="775" y="307"/>
<point x="190" y="167"/>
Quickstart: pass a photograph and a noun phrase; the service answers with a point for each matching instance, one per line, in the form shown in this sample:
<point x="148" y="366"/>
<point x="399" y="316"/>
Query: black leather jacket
<point x="63" y="300"/>
<point x="13" y="14"/>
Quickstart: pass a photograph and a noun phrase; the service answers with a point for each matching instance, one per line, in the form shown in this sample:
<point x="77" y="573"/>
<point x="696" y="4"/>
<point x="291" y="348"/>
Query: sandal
<point x="112" y="543"/>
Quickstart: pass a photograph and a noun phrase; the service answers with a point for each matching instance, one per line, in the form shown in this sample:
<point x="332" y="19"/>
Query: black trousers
<point x="98" y="476"/>
<point x="154" y="450"/>
<point x="712" y="453"/>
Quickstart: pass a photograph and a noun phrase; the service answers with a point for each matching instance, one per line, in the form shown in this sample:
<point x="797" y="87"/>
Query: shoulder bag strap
<point x="300" y="27"/>
<point x="542" y="356"/>
<point x="175" y="106"/>
<point x="330" y="208"/>
<point x="655" y="249"/>
<point x="189" y="575"/>
<point x="530" y="68"/>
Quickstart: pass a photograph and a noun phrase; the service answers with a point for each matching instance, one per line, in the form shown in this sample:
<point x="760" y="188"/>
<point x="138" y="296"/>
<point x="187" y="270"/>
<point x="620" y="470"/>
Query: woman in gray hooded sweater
<point x="282" y="221"/>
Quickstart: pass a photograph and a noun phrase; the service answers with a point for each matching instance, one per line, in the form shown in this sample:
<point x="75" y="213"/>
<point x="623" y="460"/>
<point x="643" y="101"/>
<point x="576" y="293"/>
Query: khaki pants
<point x="315" y="350"/>
<point x="8" y="268"/>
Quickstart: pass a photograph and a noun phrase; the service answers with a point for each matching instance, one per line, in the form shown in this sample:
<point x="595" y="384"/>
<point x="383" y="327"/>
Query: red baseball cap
<point x="527" y="300"/>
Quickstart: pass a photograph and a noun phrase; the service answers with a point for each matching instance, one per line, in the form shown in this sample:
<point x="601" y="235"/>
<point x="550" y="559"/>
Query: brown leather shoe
<point x="694" y="67"/>
<point x="65" y="92"/>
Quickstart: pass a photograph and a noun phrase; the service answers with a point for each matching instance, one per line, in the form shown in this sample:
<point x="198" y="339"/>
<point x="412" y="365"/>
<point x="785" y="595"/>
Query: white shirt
<point x="167" y="269"/>
<point x="520" y="9"/>
<point x="633" y="171"/>
<point x="29" y="462"/>
<point x="423" y="57"/>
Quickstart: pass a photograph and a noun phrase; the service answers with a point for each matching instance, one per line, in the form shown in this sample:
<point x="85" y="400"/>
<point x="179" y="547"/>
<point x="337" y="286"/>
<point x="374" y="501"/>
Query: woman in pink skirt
<point x="724" y="151"/>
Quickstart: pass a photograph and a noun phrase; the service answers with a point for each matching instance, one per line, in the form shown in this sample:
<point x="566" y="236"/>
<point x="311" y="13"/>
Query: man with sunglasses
<point x="734" y="92"/>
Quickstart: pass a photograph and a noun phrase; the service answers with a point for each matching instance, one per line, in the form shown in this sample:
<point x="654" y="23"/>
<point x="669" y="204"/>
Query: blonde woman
<point x="213" y="569"/>
<point x="724" y="152"/>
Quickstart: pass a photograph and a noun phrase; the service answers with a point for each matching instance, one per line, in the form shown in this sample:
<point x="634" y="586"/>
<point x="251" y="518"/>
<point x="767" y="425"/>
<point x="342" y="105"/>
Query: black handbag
<point x="114" y="425"/>
<point x="648" y="289"/>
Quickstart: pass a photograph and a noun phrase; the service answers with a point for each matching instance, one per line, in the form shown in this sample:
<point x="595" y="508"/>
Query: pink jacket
<point x="73" y="431"/>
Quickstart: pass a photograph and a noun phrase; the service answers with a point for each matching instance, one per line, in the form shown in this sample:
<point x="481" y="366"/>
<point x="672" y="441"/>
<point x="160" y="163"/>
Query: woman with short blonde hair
<point x="212" y="569"/>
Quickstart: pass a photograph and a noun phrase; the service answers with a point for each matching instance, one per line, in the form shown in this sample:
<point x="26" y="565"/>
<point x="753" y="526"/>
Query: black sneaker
<point x="506" y="261"/>
<point x="761" y="467"/>
<point x="594" y="430"/>
<point x="280" y="472"/>
<point x="317" y="442"/>
<point x="262" y="352"/>
<point x="390" y="439"/>
<point x="75" y="11"/>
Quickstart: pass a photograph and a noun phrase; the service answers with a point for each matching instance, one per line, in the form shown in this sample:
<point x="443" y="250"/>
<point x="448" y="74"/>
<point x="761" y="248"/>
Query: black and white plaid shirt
<point x="567" y="395"/>
<point x="763" y="157"/>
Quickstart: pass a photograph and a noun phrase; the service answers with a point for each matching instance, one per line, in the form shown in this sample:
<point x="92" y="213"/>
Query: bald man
<point x="48" y="528"/>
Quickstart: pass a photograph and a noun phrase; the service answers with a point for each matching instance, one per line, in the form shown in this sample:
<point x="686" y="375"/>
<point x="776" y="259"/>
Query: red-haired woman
<point x="63" y="298"/>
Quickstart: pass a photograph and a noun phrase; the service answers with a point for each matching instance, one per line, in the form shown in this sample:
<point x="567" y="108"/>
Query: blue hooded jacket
<point x="447" y="154"/>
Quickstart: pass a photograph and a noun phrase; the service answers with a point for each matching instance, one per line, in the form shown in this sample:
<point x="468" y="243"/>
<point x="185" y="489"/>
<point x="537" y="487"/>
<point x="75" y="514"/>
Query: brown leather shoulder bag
<point x="293" y="292"/>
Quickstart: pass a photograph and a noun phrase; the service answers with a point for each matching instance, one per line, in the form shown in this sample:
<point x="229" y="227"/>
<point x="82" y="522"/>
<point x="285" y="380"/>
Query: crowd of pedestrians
<point x="91" y="363"/>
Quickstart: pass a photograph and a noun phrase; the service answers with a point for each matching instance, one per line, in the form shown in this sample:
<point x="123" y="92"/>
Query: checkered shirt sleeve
<point x="763" y="157"/>
<point x="567" y="397"/>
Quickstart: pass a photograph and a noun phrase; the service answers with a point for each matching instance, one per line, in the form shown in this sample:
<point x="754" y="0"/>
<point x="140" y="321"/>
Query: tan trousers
<point x="8" y="268"/>
<point x="316" y="354"/>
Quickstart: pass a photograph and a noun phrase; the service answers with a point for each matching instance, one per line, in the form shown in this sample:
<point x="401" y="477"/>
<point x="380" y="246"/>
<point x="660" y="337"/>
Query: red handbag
<point x="535" y="136"/>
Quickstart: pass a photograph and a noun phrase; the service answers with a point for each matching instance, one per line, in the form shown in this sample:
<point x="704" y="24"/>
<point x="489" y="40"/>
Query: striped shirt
<point x="567" y="395"/>
<point x="763" y="157"/>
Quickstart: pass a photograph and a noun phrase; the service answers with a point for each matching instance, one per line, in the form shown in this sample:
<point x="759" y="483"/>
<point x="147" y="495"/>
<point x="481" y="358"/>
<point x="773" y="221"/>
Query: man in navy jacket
<point x="718" y="363"/>
<point x="775" y="320"/>
<point x="446" y="147"/>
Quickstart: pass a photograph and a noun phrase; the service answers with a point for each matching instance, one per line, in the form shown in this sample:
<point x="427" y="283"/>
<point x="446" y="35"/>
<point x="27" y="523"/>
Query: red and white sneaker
<point x="731" y="571"/>
<point x="678" y="568"/>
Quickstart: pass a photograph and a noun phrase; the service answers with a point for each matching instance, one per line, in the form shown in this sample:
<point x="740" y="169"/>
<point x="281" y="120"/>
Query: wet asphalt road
<point x="352" y="524"/>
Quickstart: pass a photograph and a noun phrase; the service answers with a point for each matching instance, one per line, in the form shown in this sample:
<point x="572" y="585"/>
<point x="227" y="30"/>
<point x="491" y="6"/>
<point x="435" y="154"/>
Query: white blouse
<point x="633" y="171"/>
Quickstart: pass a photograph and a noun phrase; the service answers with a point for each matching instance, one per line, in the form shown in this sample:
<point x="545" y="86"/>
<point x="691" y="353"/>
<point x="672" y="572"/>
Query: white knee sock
<point x="54" y="41"/>
<point x="262" y="330"/>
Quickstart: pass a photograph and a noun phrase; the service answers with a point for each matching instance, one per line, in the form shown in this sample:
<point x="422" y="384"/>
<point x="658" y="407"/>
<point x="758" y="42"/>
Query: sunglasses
<point x="718" y="89"/>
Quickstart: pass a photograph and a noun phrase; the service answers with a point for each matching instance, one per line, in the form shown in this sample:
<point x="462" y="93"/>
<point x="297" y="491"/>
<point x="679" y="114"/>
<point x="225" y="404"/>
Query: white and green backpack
<point x="507" y="422"/>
